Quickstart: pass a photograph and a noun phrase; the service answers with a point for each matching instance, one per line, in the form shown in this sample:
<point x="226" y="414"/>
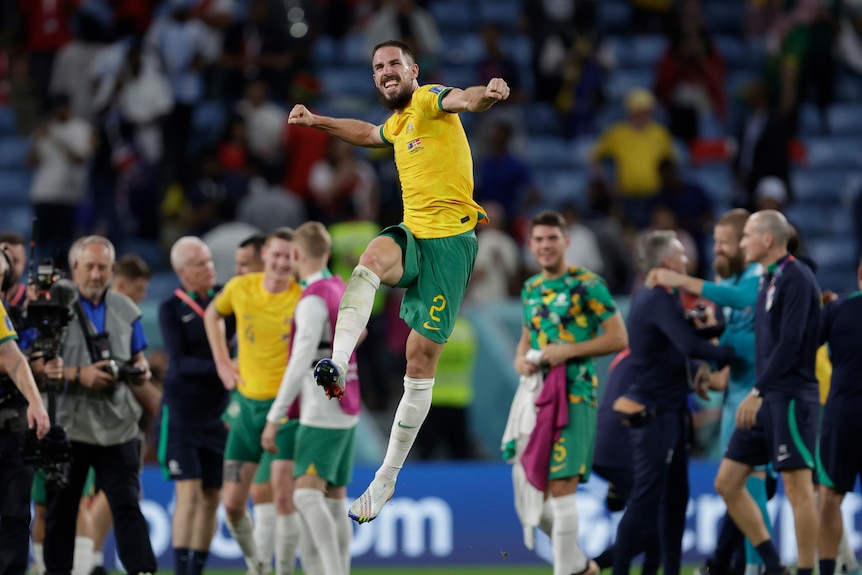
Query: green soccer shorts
<point x="327" y="453"/>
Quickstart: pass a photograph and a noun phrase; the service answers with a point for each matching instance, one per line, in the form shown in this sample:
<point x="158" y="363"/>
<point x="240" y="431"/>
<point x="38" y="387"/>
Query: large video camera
<point x="48" y="315"/>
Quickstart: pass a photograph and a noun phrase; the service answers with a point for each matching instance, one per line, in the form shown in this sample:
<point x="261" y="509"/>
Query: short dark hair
<point x="405" y="49"/>
<point x="12" y="238"/>
<point x="549" y="218"/>
<point x="257" y="241"/>
<point x="132" y="267"/>
<point x="283" y="233"/>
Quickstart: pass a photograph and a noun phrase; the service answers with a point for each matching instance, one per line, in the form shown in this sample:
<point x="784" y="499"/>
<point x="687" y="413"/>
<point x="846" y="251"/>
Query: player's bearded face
<point x="394" y="75"/>
<point x="729" y="258"/>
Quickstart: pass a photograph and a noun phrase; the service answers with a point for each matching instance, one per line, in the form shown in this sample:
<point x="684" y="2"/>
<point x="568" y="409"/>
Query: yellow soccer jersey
<point x="823" y="372"/>
<point x="264" y="322"/>
<point x="7" y="330"/>
<point x="435" y="166"/>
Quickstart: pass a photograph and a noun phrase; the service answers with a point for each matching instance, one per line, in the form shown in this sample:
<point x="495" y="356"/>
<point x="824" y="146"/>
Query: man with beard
<point x="431" y="253"/>
<point x="736" y="292"/>
<point x="564" y="307"/>
<point x="100" y="412"/>
<point x="262" y="305"/>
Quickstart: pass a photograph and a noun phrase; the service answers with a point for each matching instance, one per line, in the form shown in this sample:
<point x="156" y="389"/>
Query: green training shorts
<point x="573" y="452"/>
<point x="243" y="438"/>
<point x="39" y="495"/>
<point x="327" y="453"/>
<point x="436" y="274"/>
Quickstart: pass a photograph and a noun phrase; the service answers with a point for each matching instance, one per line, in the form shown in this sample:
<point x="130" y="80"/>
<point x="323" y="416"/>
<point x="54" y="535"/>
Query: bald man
<point x="192" y="439"/>
<point x="777" y="421"/>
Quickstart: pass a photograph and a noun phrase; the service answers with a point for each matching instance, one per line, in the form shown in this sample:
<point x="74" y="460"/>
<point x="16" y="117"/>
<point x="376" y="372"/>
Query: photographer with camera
<point x="106" y="370"/>
<point x="21" y="407"/>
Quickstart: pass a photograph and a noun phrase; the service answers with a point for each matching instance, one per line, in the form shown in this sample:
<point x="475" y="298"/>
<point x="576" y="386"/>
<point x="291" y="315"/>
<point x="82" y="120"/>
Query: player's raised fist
<point x="497" y="89"/>
<point x="300" y="116"/>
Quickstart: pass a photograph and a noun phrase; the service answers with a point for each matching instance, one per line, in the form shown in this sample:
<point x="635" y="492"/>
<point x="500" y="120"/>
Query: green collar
<point x="854" y="294"/>
<point x="210" y="294"/>
<point x="321" y="275"/>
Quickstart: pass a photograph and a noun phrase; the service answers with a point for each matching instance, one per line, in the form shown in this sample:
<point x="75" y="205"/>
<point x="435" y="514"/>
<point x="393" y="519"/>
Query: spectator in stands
<point x="690" y="204"/>
<point x="770" y="194"/>
<point x="233" y="147"/>
<point x="71" y="70"/>
<point x="256" y="48"/>
<point x="267" y="205"/>
<point x="762" y="142"/>
<point x="849" y="41"/>
<point x="497" y="271"/>
<point x="605" y="220"/>
<point x="179" y="41"/>
<point x="652" y="16"/>
<point x="343" y="186"/>
<point x="216" y="16"/>
<point x="690" y="76"/>
<point x="48" y="28"/>
<point x="585" y="70"/>
<point x="496" y="63"/>
<point x="132" y="277"/>
<point x="412" y="24"/>
<point x="212" y="195"/>
<point x="503" y="177"/>
<point x="583" y="250"/>
<point x="303" y="147"/>
<point x="265" y="122"/>
<point x="552" y="27"/>
<point x="637" y="147"/>
<point x="61" y="147"/>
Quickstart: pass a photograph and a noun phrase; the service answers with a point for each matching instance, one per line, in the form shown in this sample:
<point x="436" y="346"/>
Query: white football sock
<point x="98" y="559"/>
<point x="287" y="528"/>
<point x="243" y="533"/>
<point x="568" y="557"/>
<point x="309" y="556"/>
<point x="321" y="528"/>
<point x="82" y="563"/>
<point x="343" y="528"/>
<point x="353" y="313"/>
<point x="846" y="560"/>
<point x="411" y="413"/>
<point x="39" y="558"/>
<point x="264" y="531"/>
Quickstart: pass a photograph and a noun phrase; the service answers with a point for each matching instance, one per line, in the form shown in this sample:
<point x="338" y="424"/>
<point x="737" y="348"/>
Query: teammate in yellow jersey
<point x="262" y="304"/>
<point x="431" y="253"/>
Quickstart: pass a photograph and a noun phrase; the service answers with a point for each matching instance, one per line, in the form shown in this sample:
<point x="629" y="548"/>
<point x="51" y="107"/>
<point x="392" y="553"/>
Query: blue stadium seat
<point x="845" y="119"/>
<point x="812" y="220"/>
<point x="733" y="51"/>
<point x="612" y="16"/>
<point x="207" y="124"/>
<point x="564" y="186"/>
<point x="147" y="250"/>
<point x="835" y="252"/>
<point x="848" y="89"/>
<point x="834" y="152"/>
<point x="549" y="152"/>
<point x="841" y="280"/>
<point x="14" y="188"/>
<point x="17" y="219"/>
<point x="519" y="48"/>
<point x="461" y="77"/>
<point x="462" y="49"/>
<point x="625" y="79"/>
<point x="347" y="82"/>
<point x="8" y="125"/>
<point x="503" y="13"/>
<point x="819" y="186"/>
<point x="542" y="119"/>
<point x="454" y="15"/>
<point x="13" y="152"/>
<point x="162" y="284"/>
<point x="324" y="51"/>
<point x="643" y="52"/>
<point x="353" y="51"/>
<point x="724" y="17"/>
<point x="716" y="181"/>
<point x="582" y="149"/>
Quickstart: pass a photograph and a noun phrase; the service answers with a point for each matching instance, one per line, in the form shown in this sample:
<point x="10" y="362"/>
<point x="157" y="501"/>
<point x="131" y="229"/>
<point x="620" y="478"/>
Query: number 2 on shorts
<point x="440" y="305"/>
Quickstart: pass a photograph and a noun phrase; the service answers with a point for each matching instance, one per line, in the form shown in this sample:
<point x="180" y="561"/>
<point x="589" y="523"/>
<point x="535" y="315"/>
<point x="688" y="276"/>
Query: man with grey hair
<point x="100" y="413"/>
<point x="777" y="421"/>
<point x="192" y="439"/>
<point x="655" y="409"/>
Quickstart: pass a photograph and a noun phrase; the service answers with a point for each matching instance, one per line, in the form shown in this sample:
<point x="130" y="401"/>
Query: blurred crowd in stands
<point x="145" y="120"/>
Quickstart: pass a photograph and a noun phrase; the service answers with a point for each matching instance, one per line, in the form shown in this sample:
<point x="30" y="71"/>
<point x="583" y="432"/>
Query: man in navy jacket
<point x="655" y="407"/>
<point x="777" y="422"/>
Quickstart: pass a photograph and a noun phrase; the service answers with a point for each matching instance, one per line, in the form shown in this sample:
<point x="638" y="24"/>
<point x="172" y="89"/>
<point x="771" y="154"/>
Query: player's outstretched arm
<point x="355" y="132"/>
<point x="477" y="98"/>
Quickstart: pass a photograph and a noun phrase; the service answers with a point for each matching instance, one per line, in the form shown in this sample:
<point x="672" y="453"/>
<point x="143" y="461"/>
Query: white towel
<point x="529" y="501"/>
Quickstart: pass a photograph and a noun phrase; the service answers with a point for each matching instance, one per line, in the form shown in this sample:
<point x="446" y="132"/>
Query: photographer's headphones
<point x="8" y="281"/>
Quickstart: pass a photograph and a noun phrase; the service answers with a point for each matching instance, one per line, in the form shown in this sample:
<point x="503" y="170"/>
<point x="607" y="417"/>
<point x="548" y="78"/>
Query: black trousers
<point x="116" y="468"/>
<point x="16" y="479"/>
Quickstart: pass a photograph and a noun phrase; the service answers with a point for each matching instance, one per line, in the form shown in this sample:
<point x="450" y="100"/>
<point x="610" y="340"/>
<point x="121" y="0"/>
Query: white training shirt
<point x="311" y="327"/>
